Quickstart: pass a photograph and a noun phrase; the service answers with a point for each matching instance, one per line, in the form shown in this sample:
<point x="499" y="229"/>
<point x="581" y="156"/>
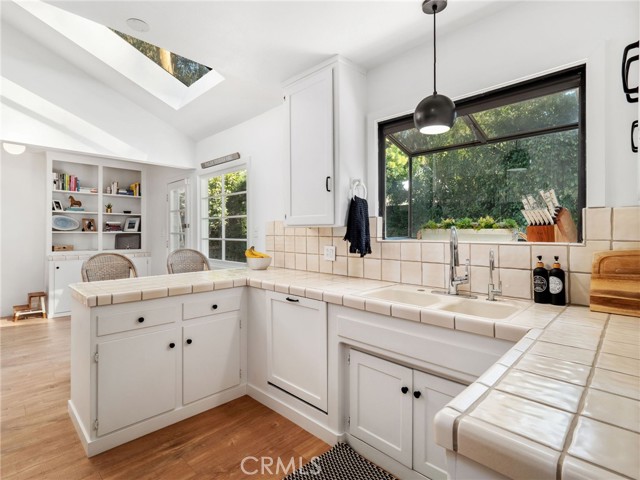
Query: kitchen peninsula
<point x="580" y="419"/>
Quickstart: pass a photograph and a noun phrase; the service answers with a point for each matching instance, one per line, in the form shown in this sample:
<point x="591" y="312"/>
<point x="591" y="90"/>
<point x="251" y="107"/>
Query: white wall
<point x="22" y="227"/>
<point x="48" y="102"/>
<point x="525" y="40"/>
<point x="262" y="141"/>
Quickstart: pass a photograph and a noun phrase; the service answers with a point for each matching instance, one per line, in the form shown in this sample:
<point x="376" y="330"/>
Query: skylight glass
<point x="184" y="69"/>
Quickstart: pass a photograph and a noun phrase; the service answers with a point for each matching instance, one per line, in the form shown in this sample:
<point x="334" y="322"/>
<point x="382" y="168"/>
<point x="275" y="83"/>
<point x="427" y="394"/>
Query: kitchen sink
<point x="405" y="294"/>
<point x="480" y="308"/>
<point x="422" y="297"/>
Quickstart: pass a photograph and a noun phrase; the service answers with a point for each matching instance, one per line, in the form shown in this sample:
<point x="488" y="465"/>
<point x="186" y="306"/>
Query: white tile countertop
<point x="564" y="402"/>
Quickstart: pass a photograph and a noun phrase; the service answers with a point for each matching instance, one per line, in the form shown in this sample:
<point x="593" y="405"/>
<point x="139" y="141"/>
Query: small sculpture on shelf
<point x="73" y="202"/>
<point x="108" y="208"/>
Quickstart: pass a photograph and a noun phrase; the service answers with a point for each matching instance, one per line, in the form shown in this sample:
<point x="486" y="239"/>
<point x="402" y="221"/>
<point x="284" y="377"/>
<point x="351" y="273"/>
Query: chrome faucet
<point x="491" y="288"/>
<point x="454" y="262"/>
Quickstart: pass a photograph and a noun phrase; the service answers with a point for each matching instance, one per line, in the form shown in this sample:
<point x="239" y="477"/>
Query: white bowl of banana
<point x="257" y="260"/>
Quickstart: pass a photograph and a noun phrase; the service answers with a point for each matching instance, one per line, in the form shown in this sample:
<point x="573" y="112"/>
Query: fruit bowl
<point x="258" y="263"/>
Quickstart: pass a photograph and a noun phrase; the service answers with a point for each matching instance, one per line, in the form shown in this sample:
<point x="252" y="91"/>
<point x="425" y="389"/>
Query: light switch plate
<point x="330" y="253"/>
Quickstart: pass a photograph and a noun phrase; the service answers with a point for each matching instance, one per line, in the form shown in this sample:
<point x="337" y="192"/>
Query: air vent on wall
<point x="220" y="160"/>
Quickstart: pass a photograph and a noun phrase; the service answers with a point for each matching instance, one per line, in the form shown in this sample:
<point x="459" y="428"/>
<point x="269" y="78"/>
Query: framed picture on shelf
<point x="132" y="224"/>
<point x="88" y="225"/>
<point x="56" y="206"/>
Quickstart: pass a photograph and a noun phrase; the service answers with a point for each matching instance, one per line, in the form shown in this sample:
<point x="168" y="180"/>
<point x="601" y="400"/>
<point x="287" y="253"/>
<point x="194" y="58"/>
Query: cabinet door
<point x="311" y="170"/>
<point x="142" y="265"/>
<point x="380" y="405"/>
<point x="211" y="356"/>
<point x="136" y="379"/>
<point x="64" y="274"/>
<point x="428" y="457"/>
<point x="297" y="347"/>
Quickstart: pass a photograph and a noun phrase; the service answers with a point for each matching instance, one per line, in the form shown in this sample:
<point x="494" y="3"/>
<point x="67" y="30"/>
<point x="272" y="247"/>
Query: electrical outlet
<point x="330" y="253"/>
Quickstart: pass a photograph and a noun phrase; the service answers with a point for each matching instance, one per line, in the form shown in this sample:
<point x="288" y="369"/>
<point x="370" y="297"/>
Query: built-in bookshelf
<point x="81" y="189"/>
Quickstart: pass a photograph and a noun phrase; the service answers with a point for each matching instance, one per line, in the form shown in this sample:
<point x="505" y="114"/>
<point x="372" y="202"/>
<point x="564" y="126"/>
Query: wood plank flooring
<point x="38" y="440"/>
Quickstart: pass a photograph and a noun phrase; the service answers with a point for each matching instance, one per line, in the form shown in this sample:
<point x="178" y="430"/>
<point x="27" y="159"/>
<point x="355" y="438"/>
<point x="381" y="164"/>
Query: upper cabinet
<point x="326" y="140"/>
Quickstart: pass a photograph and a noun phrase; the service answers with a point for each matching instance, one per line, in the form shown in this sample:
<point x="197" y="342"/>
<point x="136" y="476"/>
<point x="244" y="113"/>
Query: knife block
<point x="564" y="230"/>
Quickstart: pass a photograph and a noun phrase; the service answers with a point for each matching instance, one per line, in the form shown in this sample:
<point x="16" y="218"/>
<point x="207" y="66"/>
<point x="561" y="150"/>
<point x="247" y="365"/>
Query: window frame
<point x="574" y="77"/>
<point x="219" y="171"/>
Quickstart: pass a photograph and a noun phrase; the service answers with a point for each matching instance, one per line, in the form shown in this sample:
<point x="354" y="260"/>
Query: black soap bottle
<point x="557" y="284"/>
<point x="541" y="283"/>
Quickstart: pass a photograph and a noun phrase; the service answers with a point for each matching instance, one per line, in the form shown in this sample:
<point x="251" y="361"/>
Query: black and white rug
<point x="340" y="463"/>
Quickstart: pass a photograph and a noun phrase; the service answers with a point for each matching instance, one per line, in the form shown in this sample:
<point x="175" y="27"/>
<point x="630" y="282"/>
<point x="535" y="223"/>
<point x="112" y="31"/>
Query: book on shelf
<point x="71" y="183"/>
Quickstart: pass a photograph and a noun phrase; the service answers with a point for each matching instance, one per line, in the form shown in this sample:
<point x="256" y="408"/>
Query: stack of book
<point x="64" y="181"/>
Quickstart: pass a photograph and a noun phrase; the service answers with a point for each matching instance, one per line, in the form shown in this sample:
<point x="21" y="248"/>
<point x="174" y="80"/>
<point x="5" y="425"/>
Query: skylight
<point x="101" y="42"/>
<point x="184" y="69"/>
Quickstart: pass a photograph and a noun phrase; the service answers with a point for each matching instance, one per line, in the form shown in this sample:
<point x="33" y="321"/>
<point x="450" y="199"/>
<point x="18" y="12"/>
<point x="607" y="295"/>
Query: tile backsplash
<point x="423" y="262"/>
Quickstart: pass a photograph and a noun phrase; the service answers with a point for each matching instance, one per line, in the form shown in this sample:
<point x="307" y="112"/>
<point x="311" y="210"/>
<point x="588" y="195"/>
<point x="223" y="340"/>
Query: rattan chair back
<point x="107" y="266"/>
<point x="186" y="260"/>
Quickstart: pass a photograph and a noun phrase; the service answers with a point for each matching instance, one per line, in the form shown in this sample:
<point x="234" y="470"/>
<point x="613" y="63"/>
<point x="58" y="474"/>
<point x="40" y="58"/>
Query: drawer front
<point x="136" y="319"/>
<point x="218" y="302"/>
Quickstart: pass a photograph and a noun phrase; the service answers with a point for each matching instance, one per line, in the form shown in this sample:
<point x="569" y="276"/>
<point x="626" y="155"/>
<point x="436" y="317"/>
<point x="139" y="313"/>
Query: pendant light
<point x="435" y="113"/>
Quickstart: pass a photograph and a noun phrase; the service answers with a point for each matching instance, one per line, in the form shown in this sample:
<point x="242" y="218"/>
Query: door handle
<point x="293" y="299"/>
<point x="326" y="184"/>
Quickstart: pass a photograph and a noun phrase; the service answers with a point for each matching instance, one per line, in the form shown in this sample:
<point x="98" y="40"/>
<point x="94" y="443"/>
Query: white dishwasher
<point x="297" y="347"/>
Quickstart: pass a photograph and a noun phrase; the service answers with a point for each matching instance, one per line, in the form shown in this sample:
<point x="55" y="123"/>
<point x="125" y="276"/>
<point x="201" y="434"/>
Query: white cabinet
<point x="297" y="347"/>
<point x="140" y="366"/>
<point x="136" y="379"/>
<point x="391" y="408"/>
<point x="61" y="275"/>
<point x="211" y="356"/>
<point x="326" y="133"/>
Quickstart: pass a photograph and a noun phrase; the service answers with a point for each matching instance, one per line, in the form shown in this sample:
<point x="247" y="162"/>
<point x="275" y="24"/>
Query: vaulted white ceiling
<point x="255" y="45"/>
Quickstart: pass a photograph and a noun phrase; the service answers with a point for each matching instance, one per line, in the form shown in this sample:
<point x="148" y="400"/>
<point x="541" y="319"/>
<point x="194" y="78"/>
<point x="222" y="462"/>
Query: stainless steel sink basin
<point x="417" y="296"/>
<point x="480" y="308"/>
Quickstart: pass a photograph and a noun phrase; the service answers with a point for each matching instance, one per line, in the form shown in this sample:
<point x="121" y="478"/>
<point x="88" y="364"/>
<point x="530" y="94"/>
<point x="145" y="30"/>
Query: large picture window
<point x="224" y="216"/>
<point x="504" y="144"/>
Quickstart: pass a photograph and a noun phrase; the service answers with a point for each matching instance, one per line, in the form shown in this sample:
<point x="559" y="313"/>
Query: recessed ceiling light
<point x="13" y="148"/>
<point x="138" y="25"/>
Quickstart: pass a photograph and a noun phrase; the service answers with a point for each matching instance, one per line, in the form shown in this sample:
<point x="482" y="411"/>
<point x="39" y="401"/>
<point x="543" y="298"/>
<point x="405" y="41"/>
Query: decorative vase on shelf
<point x="107" y="208"/>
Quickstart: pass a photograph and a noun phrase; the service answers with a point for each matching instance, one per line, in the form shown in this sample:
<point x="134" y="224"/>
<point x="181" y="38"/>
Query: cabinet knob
<point x="404" y="390"/>
<point x="189" y="341"/>
<point x="140" y="319"/>
<point x="417" y="394"/>
<point x="172" y="345"/>
<point x="214" y="306"/>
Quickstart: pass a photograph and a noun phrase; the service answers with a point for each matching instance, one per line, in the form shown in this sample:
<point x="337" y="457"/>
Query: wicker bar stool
<point x="107" y="266"/>
<point x="186" y="260"/>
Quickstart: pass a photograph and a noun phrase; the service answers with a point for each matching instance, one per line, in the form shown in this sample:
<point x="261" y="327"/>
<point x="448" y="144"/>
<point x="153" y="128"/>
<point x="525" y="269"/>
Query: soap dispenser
<point x="557" y="284"/>
<point x="541" y="283"/>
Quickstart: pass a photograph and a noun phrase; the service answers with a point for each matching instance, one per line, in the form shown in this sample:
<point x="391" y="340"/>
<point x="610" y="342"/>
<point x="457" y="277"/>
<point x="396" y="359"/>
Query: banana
<point x="253" y="253"/>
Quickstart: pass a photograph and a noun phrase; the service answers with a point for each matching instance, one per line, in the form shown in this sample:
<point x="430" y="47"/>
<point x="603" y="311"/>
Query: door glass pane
<point x="236" y="204"/>
<point x="235" y="182"/>
<point x="236" y="228"/>
<point x="234" y="251"/>
<point x="215" y="249"/>
<point x="177" y="240"/>
<point x="178" y="222"/>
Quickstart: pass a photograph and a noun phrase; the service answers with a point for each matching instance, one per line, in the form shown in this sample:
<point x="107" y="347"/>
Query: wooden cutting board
<point x="615" y="282"/>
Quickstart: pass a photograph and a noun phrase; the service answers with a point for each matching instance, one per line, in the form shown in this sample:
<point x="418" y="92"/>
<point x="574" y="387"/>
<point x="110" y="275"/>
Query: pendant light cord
<point x="435" y="8"/>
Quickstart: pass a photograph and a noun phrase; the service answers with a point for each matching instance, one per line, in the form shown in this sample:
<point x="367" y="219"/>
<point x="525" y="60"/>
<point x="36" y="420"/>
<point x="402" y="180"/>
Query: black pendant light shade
<point x="435" y="113"/>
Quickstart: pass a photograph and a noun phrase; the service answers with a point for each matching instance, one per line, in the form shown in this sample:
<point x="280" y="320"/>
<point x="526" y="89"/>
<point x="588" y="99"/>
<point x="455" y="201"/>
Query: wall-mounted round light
<point x="138" y="25"/>
<point x="13" y="148"/>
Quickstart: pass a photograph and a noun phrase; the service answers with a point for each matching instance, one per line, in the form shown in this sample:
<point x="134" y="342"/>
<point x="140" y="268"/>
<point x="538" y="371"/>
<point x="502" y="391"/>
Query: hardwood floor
<point x="38" y="440"/>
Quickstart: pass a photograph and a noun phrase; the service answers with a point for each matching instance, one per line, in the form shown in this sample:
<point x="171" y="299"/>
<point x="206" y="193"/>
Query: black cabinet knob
<point x="172" y="345"/>
<point x="404" y="390"/>
<point x="141" y="319"/>
<point x="189" y="341"/>
<point x="417" y="394"/>
<point x="214" y="306"/>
